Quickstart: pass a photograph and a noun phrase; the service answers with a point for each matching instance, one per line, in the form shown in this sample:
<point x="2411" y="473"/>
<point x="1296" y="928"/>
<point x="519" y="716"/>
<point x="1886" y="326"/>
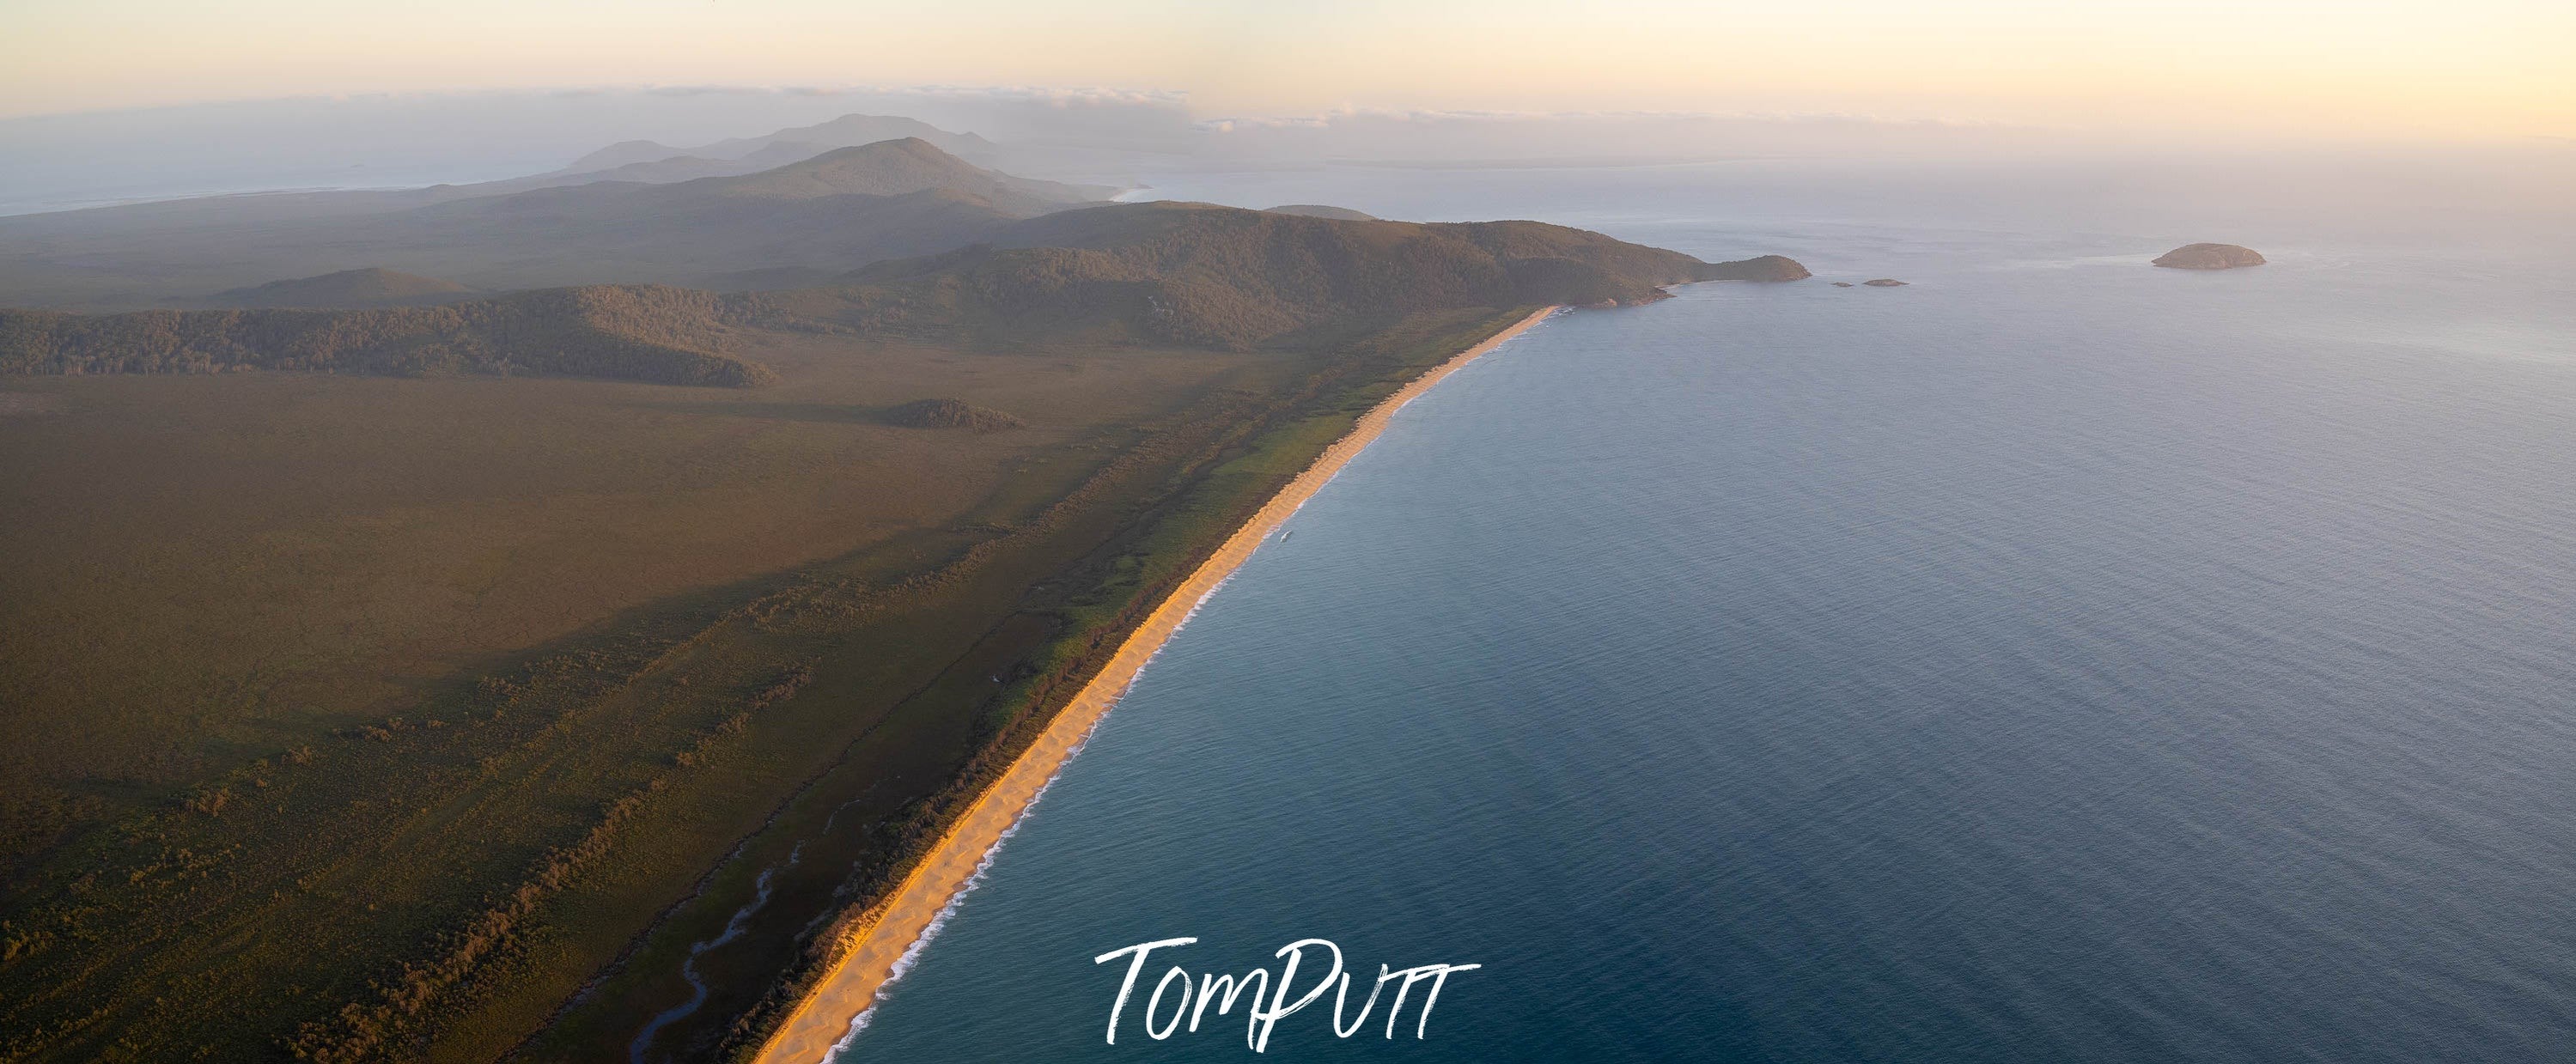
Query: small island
<point x="1884" y="282"/>
<point x="2209" y="257"/>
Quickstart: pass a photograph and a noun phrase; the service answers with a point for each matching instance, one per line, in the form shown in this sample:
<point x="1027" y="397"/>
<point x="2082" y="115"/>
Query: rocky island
<point x="1884" y="282"/>
<point x="2209" y="257"/>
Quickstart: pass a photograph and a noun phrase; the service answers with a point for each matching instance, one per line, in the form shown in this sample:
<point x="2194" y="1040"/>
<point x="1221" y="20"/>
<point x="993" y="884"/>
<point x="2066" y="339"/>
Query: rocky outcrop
<point x="2209" y="257"/>
<point x="1884" y="282"/>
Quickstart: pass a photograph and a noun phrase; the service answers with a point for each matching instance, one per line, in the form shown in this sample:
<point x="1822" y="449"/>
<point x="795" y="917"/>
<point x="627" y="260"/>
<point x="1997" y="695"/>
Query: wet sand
<point x="823" y="1019"/>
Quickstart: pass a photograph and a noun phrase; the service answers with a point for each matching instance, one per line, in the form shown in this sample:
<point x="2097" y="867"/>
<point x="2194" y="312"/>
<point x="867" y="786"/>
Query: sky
<point x="2363" y="69"/>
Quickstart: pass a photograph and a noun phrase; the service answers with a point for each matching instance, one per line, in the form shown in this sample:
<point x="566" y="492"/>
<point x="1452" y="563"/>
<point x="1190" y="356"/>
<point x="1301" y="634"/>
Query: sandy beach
<point x="823" y="1018"/>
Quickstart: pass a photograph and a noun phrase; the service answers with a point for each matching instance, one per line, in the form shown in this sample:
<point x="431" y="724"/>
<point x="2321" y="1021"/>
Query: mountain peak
<point x="884" y="168"/>
<point x="898" y="167"/>
<point x="845" y="131"/>
<point x="875" y="127"/>
<point x="624" y="153"/>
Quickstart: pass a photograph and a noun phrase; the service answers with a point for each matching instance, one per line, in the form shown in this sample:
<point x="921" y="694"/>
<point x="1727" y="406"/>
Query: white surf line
<point x="912" y="954"/>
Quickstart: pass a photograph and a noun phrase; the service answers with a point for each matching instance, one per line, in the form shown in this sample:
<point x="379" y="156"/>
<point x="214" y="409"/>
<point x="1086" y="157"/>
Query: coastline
<point x="893" y="934"/>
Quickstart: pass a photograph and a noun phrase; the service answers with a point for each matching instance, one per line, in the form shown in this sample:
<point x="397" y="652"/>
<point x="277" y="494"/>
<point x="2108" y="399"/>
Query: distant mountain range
<point x="649" y="163"/>
<point x="1159" y="274"/>
<point x="785" y="146"/>
<point x="817" y="216"/>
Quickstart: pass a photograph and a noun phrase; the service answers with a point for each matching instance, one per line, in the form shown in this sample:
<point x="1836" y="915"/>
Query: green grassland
<point x="303" y="665"/>
<point x="388" y="718"/>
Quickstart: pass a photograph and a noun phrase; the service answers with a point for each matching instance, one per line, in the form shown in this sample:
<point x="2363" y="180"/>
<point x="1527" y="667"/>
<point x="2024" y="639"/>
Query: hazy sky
<point x="2368" y="68"/>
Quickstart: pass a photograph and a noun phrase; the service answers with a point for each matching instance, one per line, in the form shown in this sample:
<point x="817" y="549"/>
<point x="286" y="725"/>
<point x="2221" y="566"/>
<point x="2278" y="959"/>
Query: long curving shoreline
<point x="823" y="1018"/>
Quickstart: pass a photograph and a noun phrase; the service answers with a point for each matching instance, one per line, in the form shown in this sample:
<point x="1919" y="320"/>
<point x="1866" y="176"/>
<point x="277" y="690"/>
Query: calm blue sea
<point x="2057" y="659"/>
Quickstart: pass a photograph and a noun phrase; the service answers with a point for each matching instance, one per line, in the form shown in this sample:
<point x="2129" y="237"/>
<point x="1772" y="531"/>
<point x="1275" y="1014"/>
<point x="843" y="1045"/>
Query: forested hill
<point x="1188" y="275"/>
<point x="1202" y="275"/>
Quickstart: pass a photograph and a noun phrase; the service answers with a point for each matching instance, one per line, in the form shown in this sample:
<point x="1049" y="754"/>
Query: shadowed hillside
<point x="650" y="334"/>
<point x="349" y="290"/>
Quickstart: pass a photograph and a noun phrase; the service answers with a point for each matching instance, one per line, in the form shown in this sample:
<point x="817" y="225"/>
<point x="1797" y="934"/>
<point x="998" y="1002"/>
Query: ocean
<point x="2054" y="659"/>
